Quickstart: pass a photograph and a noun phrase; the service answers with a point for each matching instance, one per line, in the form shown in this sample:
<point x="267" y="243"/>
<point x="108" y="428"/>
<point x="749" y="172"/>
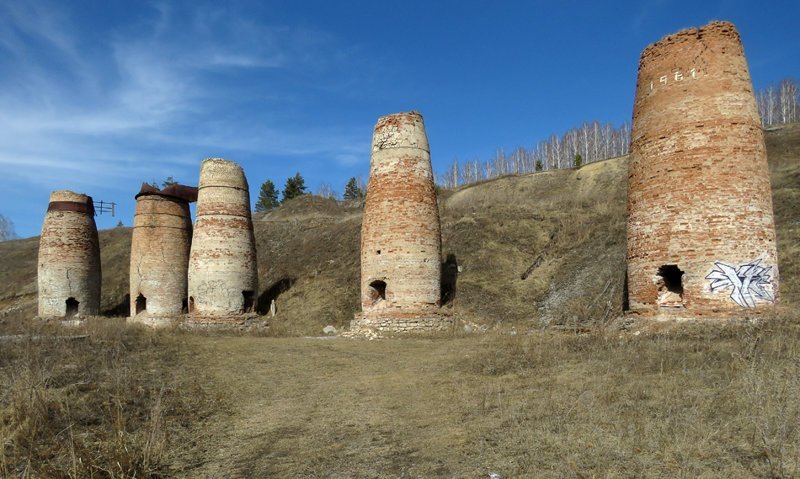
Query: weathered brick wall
<point x="69" y="257"/>
<point x="699" y="194"/>
<point x="222" y="263"/>
<point x="401" y="234"/>
<point x="162" y="235"/>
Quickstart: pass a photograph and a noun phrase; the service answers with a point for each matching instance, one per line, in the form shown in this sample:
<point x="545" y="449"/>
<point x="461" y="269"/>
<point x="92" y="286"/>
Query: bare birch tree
<point x="6" y="229"/>
<point x="325" y="190"/>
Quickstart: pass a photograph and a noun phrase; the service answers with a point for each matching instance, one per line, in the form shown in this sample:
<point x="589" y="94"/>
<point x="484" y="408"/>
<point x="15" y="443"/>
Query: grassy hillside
<point x="563" y="231"/>
<point x="783" y="147"/>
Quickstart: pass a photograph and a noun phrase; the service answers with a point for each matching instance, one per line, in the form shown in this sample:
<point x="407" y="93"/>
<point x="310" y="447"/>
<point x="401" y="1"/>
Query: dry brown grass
<point x="686" y="400"/>
<point x="103" y="400"/>
<point x="308" y="261"/>
<point x="570" y="223"/>
<point x="784" y="154"/>
<point x="693" y="401"/>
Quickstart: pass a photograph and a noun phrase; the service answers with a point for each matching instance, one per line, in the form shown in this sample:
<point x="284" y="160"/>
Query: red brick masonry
<point x="69" y="258"/>
<point x="699" y="198"/>
<point x="162" y="236"/>
<point x="401" y="235"/>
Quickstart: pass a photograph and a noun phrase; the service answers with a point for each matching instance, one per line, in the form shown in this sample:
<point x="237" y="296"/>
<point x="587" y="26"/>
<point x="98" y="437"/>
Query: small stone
<point x="329" y="330"/>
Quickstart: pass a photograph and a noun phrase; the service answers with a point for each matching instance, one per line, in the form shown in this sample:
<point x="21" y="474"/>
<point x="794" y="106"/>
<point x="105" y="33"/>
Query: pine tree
<point x="539" y="166"/>
<point x="578" y="160"/>
<point x="267" y="197"/>
<point x="352" y="191"/>
<point x="295" y="186"/>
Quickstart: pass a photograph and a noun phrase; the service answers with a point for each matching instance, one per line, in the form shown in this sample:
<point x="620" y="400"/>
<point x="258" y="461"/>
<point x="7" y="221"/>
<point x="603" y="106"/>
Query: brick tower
<point x="223" y="279"/>
<point x="701" y="237"/>
<point x="401" y="240"/>
<point x="162" y="236"/>
<point x="69" y="258"/>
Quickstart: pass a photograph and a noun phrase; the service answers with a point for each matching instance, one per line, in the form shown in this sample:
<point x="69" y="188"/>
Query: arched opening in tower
<point x="670" y="286"/>
<point x="249" y="301"/>
<point x="141" y="303"/>
<point x="191" y="304"/>
<point x="72" y="307"/>
<point x="377" y="291"/>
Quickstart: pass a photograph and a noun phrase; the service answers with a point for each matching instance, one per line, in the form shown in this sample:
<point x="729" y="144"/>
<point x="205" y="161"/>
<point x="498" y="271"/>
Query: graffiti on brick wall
<point x="675" y="76"/>
<point x="749" y="282"/>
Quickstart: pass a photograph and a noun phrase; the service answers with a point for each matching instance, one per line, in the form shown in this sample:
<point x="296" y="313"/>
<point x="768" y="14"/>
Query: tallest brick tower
<point x="701" y="236"/>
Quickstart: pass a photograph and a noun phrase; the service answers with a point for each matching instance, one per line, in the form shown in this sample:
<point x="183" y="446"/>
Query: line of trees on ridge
<point x="777" y="105"/>
<point x="585" y="144"/>
<point x="354" y="190"/>
<point x="590" y="142"/>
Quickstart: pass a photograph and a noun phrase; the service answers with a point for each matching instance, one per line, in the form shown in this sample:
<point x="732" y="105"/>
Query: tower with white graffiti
<point x="701" y="236"/>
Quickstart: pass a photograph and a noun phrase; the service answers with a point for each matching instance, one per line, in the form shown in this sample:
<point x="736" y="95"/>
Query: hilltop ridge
<point x="545" y="248"/>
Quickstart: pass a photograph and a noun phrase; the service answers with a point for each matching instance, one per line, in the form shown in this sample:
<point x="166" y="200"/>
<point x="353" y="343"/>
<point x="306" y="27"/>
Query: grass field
<point x="680" y="401"/>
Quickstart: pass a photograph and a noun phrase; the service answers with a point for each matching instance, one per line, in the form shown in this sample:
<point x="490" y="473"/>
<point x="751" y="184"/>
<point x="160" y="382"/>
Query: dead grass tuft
<point x="692" y="400"/>
<point x="102" y="400"/>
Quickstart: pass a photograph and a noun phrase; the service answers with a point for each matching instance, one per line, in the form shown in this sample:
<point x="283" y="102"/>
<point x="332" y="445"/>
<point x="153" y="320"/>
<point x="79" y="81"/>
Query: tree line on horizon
<point x="588" y="143"/>
<point x="777" y="105"/>
<point x="268" y="196"/>
<point x="592" y="141"/>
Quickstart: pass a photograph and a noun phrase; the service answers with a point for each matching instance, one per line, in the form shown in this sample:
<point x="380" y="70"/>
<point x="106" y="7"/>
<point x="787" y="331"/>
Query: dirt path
<point x="333" y="408"/>
<point x="548" y="405"/>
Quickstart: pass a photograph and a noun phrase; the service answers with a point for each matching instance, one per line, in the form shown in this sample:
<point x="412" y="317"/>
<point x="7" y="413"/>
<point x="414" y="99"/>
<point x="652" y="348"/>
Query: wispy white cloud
<point x="353" y="158"/>
<point x="157" y="90"/>
<point x="97" y="108"/>
<point x="37" y="21"/>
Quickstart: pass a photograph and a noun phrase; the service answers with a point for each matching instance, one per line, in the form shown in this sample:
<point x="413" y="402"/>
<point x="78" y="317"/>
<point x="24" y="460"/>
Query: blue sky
<point x="99" y="96"/>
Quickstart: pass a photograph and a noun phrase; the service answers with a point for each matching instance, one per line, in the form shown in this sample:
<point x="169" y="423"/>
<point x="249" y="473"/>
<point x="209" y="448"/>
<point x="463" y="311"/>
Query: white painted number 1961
<point x="677" y="75"/>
